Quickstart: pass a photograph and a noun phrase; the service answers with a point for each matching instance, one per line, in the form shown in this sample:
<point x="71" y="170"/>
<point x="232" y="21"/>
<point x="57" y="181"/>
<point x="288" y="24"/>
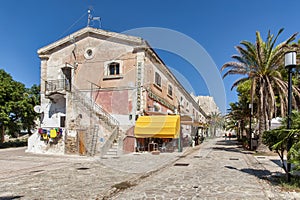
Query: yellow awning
<point x="167" y="126"/>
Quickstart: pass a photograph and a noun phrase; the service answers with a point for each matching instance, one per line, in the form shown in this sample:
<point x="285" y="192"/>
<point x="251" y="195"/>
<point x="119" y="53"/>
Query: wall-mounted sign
<point x="139" y="84"/>
<point x="160" y="100"/>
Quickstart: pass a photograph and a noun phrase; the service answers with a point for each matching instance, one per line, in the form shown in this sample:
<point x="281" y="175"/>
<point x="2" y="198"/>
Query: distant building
<point x="96" y="89"/>
<point x="207" y="104"/>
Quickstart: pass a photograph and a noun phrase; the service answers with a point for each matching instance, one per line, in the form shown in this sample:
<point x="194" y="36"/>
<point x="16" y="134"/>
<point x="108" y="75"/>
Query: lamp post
<point x="179" y="138"/>
<point x="289" y="63"/>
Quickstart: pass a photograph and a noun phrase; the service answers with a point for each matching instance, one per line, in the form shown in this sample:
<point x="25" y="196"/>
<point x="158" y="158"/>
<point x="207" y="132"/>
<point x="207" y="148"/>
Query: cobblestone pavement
<point x="215" y="170"/>
<point x="31" y="176"/>
<point x="219" y="170"/>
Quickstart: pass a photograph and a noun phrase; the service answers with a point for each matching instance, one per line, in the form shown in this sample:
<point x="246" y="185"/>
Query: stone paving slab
<point x="30" y="176"/>
<point x="216" y="169"/>
<point x="219" y="170"/>
<point x="140" y="162"/>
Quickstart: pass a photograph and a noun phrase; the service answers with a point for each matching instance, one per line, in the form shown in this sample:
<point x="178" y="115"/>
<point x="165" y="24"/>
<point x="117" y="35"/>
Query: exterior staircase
<point x="88" y="103"/>
<point x="101" y="118"/>
<point x="112" y="152"/>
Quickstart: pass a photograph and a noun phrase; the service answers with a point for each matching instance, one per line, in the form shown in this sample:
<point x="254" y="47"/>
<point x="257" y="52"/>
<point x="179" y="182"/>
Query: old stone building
<point x="207" y="103"/>
<point x="95" y="84"/>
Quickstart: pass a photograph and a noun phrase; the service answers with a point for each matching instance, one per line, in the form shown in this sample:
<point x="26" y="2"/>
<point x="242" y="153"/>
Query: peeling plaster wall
<point x="120" y="95"/>
<point x="52" y="112"/>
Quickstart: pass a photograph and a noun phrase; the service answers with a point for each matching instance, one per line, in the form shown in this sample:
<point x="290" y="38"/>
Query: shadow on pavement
<point x="278" y="162"/>
<point x="10" y="197"/>
<point x="228" y="142"/>
<point x="230" y="146"/>
<point x="261" y="174"/>
<point x="230" y="149"/>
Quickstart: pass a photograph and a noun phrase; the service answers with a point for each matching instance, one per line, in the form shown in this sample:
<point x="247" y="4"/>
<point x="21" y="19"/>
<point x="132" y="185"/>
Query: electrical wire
<point x="85" y="13"/>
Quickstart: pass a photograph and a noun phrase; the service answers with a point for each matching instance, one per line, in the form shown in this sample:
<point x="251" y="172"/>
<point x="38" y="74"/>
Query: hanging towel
<point x="40" y="131"/>
<point x="53" y="133"/>
<point x="45" y="136"/>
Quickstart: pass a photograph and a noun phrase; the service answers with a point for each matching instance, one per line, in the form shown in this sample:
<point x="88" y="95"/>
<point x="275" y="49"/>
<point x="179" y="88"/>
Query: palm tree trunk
<point x="2" y="134"/>
<point x="261" y="113"/>
<point x="215" y="131"/>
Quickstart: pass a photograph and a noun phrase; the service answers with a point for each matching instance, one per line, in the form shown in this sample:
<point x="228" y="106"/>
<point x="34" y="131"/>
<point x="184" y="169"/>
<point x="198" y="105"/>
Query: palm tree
<point x="215" y="121"/>
<point x="238" y="117"/>
<point x="260" y="62"/>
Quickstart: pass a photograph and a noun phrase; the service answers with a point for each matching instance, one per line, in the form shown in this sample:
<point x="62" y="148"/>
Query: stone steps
<point x="112" y="152"/>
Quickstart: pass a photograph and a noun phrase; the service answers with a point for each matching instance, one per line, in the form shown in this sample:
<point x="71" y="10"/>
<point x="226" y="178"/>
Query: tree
<point x="216" y="121"/>
<point x="278" y="139"/>
<point x="260" y="63"/>
<point x="238" y="117"/>
<point x="16" y="105"/>
<point x="31" y="97"/>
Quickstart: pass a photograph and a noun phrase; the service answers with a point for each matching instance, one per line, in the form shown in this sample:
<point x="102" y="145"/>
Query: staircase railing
<point x="97" y="109"/>
<point x="106" y="118"/>
<point x="108" y="143"/>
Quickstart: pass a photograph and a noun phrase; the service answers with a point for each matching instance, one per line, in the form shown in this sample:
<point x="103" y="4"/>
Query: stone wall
<point x="129" y="141"/>
<point x="71" y="145"/>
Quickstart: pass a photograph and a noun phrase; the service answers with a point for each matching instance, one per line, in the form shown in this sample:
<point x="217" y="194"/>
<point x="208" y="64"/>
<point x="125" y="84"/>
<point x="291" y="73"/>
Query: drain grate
<point x="83" y="168"/>
<point x="233" y="159"/>
<point x="260" y="157"/>
<point x="181" y="164"/>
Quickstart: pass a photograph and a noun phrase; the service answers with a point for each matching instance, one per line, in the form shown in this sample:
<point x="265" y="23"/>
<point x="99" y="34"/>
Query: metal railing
<point x="109" y="121"/>
<point x="57" y="85"/>
<point x="97" y="109"/>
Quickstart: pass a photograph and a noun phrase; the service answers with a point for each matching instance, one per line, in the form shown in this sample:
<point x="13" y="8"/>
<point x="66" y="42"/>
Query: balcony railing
<point x="57" y="86"/>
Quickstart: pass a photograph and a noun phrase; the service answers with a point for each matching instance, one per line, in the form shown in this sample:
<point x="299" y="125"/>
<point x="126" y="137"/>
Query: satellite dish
<point x="37" y="109"/>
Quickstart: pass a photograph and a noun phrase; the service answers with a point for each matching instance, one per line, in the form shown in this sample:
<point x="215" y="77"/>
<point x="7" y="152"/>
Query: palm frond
<point x="232" y="64"/>
<point x="236" y="83"/>
<point x="259" y="48"/>
<point x="235" y="72"/>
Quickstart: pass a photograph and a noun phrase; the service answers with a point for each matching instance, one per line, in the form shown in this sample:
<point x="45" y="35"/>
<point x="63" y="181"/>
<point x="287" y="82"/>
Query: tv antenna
<point x="91" y="19"/>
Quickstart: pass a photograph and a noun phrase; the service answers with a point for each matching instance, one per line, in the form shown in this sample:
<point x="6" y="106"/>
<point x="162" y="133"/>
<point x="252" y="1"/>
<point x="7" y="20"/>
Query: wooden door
<point x="81" y="143"/>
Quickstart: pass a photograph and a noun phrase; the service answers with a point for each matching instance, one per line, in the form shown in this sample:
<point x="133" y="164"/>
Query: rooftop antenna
<point x="91" y="18"/>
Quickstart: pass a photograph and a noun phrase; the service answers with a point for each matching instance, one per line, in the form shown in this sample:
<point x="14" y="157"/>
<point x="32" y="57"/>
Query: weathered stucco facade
<point x="94" y="85"/>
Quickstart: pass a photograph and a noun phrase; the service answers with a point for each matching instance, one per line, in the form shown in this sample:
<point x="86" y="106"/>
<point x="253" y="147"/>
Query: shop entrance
<point x="156" y="144"/>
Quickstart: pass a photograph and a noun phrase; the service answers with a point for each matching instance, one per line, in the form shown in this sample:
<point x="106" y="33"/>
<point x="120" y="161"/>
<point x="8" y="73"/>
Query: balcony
<point x="56" y="88"/>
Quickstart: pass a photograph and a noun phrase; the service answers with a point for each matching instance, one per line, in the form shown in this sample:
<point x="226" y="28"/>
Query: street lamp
<point x="289" y="63"/>
<point x="250" y="127"/>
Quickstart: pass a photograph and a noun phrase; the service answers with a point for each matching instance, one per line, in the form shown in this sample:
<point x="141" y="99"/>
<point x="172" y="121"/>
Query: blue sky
<point x="217" y="26"/>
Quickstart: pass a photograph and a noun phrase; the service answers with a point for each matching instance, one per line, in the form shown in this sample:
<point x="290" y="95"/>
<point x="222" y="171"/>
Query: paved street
<point x="218" y="169"/>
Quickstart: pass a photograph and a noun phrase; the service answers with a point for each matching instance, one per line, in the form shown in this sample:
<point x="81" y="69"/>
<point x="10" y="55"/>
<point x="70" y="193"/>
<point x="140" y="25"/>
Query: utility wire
<point x="85" y="13"/>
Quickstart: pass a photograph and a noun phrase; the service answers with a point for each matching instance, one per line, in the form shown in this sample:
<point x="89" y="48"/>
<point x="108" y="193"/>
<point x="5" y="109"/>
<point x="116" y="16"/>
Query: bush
<point x="16" y="143"/>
